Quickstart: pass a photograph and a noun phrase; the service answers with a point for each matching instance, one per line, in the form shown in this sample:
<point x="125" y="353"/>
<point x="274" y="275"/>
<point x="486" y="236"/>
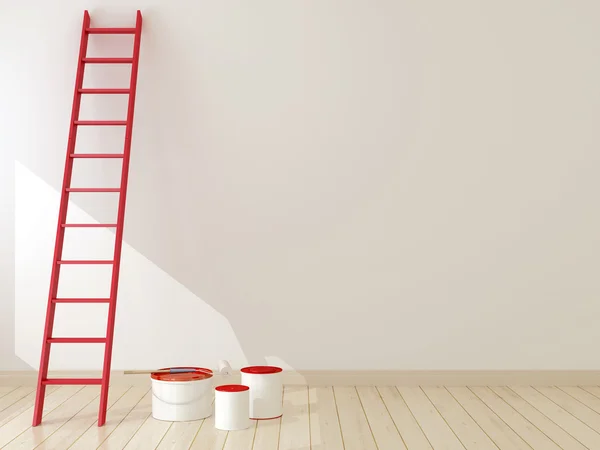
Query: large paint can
<point x="266" y="391"/>
<point x="179" y="397"/>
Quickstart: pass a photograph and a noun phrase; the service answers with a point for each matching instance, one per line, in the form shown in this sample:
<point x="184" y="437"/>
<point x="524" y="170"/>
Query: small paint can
<point x="179" y="397"/>
<point x="232" y="406"/>
<point x="266" y="391"/>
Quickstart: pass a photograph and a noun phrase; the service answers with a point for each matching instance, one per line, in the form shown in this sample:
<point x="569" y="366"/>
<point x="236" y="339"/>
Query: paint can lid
<point x="200" y="374"/>
<point x="232" y="388"/>
<point x="261" y="370"/>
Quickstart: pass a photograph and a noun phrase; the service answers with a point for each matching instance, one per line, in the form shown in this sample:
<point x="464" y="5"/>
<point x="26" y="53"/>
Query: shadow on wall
<point x="159" y="322"/>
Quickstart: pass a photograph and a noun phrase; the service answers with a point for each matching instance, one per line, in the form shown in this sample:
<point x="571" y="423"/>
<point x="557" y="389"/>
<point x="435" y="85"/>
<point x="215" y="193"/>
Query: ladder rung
<point x="81" y="300"/>
<point x="69" y="381"/>
<point x="110" y="30"/>
<point x="76" y="340"/>
<point x="103" y="91"/>
<point x="87" y="261"/>
<point x="108" y="60"/>
<point x="96" y="155"/>
<point x="93" y="189"/>
<point x="101" y="122"/>
<point x="89" y="225"/>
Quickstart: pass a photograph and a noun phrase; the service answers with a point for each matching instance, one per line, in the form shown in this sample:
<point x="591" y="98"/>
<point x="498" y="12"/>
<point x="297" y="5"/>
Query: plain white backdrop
<point x="346" y="185"/>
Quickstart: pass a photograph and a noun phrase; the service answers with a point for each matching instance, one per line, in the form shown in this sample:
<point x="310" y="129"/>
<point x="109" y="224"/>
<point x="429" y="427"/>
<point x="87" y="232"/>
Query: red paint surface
<point x="262" y="370"/>
<point x="232" y="388"/>
<point x="200" y="374"/>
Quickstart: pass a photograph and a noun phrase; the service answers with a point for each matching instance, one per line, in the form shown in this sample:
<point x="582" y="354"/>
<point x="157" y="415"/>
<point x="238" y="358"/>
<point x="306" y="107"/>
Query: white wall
<point x="340" y="185"/>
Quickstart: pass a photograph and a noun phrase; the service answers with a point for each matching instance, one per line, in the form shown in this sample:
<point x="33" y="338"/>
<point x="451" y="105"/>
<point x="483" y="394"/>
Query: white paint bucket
<point x="266" y="391"/>
<point x="232" y="404"/>
<point x="179" y="397"/>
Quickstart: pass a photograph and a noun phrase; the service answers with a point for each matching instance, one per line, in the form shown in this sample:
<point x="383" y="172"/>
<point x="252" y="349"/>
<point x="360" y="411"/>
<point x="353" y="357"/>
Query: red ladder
<point x="49" y="339"/>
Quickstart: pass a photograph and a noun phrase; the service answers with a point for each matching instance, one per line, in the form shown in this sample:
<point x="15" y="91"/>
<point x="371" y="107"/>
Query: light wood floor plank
<point x="67" y="434"/>
<point x="208" y="437"/>
<point x="295" y="426"/>
<point x="498" y="431"/>
<point x="435" y="427"/>
<point x="467" y="430"/>
<point x="241" y="439"/>
<point x="558" y="415"/>
<point x="385" y="418"/>
<point x="7" y="390"/>
<point x="583" y="396"/>
<point x="324" y="424"/>
<point x="543" y="423"/>
<point x="594" y="390"/>
<point x="180" y="435"/>
<point x="409" y="428"/>
<point x="387" y="436"/>
<point x="132" y="422"/>
<point x="267" y="434"/>
<point x="94" y="435"/>
<point x="14" y="396"/>
<point x="22" y="422"/>
<point x="525" y="429"/>
<point x="571" y="405"/>
<point x="149" y="435"/>
<point x="21" y="405"/>
<point x="33" y="437"/>
<point x="355" y="428"/>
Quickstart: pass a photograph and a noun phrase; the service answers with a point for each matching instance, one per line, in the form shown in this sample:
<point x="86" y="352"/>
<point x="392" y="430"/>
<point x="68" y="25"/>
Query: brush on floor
<point x="224" y="369"/>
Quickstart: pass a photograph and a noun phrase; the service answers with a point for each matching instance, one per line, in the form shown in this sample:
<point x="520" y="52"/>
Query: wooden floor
<point x="319" y="418"/>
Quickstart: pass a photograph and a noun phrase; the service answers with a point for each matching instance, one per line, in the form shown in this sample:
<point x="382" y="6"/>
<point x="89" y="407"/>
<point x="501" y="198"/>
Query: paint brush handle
<point x="175" y="370"/>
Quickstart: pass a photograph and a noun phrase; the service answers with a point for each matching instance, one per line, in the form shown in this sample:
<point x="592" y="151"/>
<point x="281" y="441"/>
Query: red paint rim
<point x="201" y="373"/>
<point x="261" y="370"/>
<point x="266" y="418"/>
<point x="232" y="388"/>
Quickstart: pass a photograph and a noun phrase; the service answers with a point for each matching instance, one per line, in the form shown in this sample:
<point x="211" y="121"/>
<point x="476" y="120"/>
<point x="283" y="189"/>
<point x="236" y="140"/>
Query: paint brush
<point x="173" y="370"/>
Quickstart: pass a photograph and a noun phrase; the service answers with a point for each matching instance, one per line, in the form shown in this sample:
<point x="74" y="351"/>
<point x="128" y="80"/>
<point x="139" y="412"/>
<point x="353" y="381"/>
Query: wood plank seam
<point x="57" y="406"/>
<point x="366" y="418"/>
<point x="17" y="400"/>
<point x="337" y="411"/>
<point x="519" y="413"/>
<point x="84" y="431"/>
<point x="9" y="392"/>
<point x="414" y="417"/>
<point x="225" y="441"/>
<point x="81" y="409"/>
<point x="589" y="392"/>
<point x="575" y="398"/>
<point x="138" y="429"/>
<point x="199" y="428"/>
<point x="121" y="421"/>
<point x="501" y="419"/>
<point x="309" y="426"/>
<point x="567" y="411"/>
<point x="254" y="435"/>
<point x="163" y="436"/>
<point x="472" y="418"/>
<point x="443" y="418"/>
<point x="537" y="409"/>
<point x="388" y="411"/>
<point x="580" y="401"/>
<point x="280" y="423"/>
<point x="197" y="431"/>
